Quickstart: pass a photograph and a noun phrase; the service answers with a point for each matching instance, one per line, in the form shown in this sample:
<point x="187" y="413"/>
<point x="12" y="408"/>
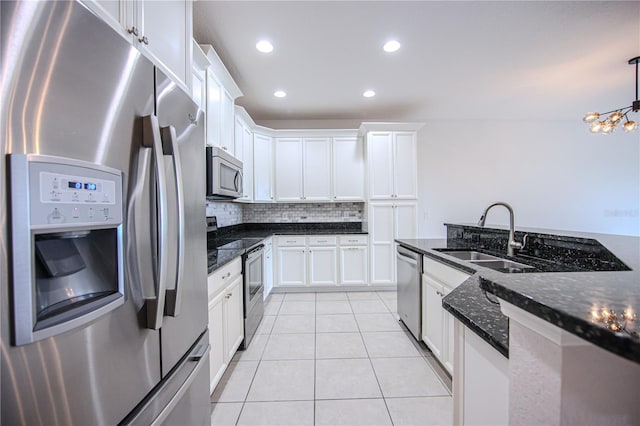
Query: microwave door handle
<point x="237" y="181"/>
<point x="170" y="142"/>
<point x="151" y="139"/>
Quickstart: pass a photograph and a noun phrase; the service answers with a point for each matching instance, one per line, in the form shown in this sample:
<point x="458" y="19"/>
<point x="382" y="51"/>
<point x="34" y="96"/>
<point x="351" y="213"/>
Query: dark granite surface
<point x="565" y="299"/>
<point x="218" y="258"/>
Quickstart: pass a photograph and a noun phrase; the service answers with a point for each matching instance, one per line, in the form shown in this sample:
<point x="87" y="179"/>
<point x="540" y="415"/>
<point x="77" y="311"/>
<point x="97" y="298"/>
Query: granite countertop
<point x="266" y="230"/>
<point x="565" y="299"/>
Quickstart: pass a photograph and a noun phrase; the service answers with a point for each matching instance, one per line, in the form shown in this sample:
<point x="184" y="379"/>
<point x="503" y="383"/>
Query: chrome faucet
<point x="512" y="244"/>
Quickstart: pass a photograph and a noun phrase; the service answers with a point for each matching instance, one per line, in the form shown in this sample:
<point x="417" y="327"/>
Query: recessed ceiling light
<point x="279" y="94"/>
<point x="391" y="46"/>
<point x="264" y="46"/>
<point x="369" y="94"/>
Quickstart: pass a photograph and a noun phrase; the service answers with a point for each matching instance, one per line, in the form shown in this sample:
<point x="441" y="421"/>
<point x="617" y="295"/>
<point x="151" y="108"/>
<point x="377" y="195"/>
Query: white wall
<point x="555" y="174"/>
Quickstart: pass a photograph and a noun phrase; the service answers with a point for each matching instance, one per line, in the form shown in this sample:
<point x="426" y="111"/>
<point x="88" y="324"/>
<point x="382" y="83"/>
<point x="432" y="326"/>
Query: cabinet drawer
<point x="220" y="279"/>
<point x="353" y="240"/>
<point x="291" y="241"/>
<point x="322" y="241"/>
<point x="447" y="275"/>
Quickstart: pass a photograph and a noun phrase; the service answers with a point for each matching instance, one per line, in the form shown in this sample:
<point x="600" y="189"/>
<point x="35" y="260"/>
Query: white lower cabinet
<point x="389" y="221"/>
<point x="438" y="280"/>
<point x="322" y="266"/>
<point x="292" y="266"/>
<point x="353" y="260"/>
<point x="480" y="381"/>
<point x="226" y="317"/>
<point x="321" y="261"/>
<point x="268" y="266"/>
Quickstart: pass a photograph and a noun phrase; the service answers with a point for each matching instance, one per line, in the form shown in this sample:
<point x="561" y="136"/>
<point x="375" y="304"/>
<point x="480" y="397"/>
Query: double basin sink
<point x="488" y="261"/>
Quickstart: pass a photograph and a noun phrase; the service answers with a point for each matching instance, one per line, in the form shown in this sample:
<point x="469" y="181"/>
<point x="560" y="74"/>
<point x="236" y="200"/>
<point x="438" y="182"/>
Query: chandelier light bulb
<point x="630" y="126"/>
<point x="615" y="117"/>
<point x="591" y="117"/>
<point x="596" y="126"/>
<point x="607" y="127"/>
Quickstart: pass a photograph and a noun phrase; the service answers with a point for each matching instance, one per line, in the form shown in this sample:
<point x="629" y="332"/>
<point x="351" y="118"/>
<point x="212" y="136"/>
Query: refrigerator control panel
<point x="67" y="193"/>
<point x="57" y="188"/>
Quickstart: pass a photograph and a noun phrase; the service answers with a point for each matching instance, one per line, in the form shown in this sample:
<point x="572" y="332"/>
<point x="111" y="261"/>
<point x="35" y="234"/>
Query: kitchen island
<point x="553" y="321"/>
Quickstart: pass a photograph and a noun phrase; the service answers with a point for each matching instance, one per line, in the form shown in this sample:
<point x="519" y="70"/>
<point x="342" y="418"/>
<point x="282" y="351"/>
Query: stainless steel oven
<point x="252" y="270"/>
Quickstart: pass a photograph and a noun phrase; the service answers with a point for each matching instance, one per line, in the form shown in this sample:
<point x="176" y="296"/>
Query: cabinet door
<point x="448" y="325"/>
<point x="353" y="265"/>
<point x="382" y="246"/>
<point x="268" y="271"/>
<point x="247" y="163"/>
<point x="405" y="220"/>
<point x="234" y="317"/>
<point x="292" y="270"/>
<point x="288" y="171"/>
<point x="167" y="28"/>
<point x="322" y="266"/>
<point x="317" y="169"/>
<point x="432" y="316"/>
<point x="227" y="116"/>
<point x="214" y="111"/>
<point x="217" y="356"/>
<point x="262" y="167"/>
<point x="405" y="166"/>
<point x="380" y="165"/>
<point x="118" y="14"/>
<point x="348" y="169"/>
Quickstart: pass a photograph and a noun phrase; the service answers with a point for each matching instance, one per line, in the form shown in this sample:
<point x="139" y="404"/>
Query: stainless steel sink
<point x="502" y="265"/>
<point x="469" y="255"/>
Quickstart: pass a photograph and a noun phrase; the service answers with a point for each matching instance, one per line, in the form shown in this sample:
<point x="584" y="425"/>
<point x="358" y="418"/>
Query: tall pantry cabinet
<point x="392" y="192"/>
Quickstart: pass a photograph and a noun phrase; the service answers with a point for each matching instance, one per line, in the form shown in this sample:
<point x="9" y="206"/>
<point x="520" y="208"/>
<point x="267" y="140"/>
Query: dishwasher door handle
<point x="408" y="259"/>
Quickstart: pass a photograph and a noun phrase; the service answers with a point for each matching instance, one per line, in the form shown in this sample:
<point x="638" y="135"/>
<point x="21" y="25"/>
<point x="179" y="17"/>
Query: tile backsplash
<point x="226" y="212"/>
<point x="229" y="213"/>
<point x="307" y="212"/>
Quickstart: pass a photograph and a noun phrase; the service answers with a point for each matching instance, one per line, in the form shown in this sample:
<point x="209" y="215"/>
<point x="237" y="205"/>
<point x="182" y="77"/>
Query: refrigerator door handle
<point x="151" y="138"/>
<point x="170" y="143"/>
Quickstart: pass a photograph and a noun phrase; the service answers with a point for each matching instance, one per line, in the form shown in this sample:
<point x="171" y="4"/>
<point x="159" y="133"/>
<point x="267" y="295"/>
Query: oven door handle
<point x="258" y="251"/>
<point x="170" y="144"/>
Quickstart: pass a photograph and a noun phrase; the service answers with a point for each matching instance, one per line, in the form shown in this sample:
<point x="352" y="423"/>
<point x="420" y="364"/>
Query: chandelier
<point x="609" y="124"/>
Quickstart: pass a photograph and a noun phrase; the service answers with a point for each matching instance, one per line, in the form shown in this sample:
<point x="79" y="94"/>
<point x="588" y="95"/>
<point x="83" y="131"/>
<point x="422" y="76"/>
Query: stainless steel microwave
<point x="224" y="174"/>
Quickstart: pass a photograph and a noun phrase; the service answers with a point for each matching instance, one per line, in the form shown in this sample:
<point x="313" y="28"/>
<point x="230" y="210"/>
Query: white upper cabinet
<point x="262" y="167"/>
<point x="348" y="169"/>
<point x="244" y="153"/>
<point x="222" y="91"/>
<point x="288" y="171"/>
<point x="198" y="76"/>
<point x="161" y="30"/>
<point x="303" y="169"/>
<point x="392" y="168"/>
<point x="316" y="169"/>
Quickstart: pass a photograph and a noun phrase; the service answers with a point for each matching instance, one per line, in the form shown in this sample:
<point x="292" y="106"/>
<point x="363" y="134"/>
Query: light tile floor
<point x="333" y="359"/>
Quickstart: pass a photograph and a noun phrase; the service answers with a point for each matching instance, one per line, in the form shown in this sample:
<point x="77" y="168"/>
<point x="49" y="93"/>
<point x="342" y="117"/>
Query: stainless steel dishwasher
<point x="410" y="290"/>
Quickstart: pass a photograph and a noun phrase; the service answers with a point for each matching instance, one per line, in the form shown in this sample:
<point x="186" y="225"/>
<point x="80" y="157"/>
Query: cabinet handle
<point x="133" y="30"/>
<point x="144" y="40"/>
<point x="228" y="296"/>
<point x="322" y="241"/>
<point x="227" y="275"/>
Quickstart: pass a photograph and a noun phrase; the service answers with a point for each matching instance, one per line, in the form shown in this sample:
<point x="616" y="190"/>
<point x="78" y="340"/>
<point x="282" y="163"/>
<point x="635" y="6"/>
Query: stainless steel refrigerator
<point x="103" y="262"/>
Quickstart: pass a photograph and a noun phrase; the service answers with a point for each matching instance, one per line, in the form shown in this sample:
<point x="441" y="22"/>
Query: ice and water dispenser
<point x="67" y="244"/>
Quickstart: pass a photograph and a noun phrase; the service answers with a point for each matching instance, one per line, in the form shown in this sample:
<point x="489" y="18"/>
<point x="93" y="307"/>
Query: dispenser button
<point x="75" y="212"/>
<point x="91" y="212"/>
<point x="106" y="213"/>
<point x="55" y="183"/>
<point x="75" y="197"/>
<point x="55" y="216"/>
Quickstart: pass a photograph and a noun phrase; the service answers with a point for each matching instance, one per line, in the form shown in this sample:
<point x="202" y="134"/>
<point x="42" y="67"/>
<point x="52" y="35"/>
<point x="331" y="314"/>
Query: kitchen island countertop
<point x="565" y="299"/>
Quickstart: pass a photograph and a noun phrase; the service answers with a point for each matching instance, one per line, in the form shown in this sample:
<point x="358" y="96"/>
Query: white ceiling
<point x="511" y="60"/>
